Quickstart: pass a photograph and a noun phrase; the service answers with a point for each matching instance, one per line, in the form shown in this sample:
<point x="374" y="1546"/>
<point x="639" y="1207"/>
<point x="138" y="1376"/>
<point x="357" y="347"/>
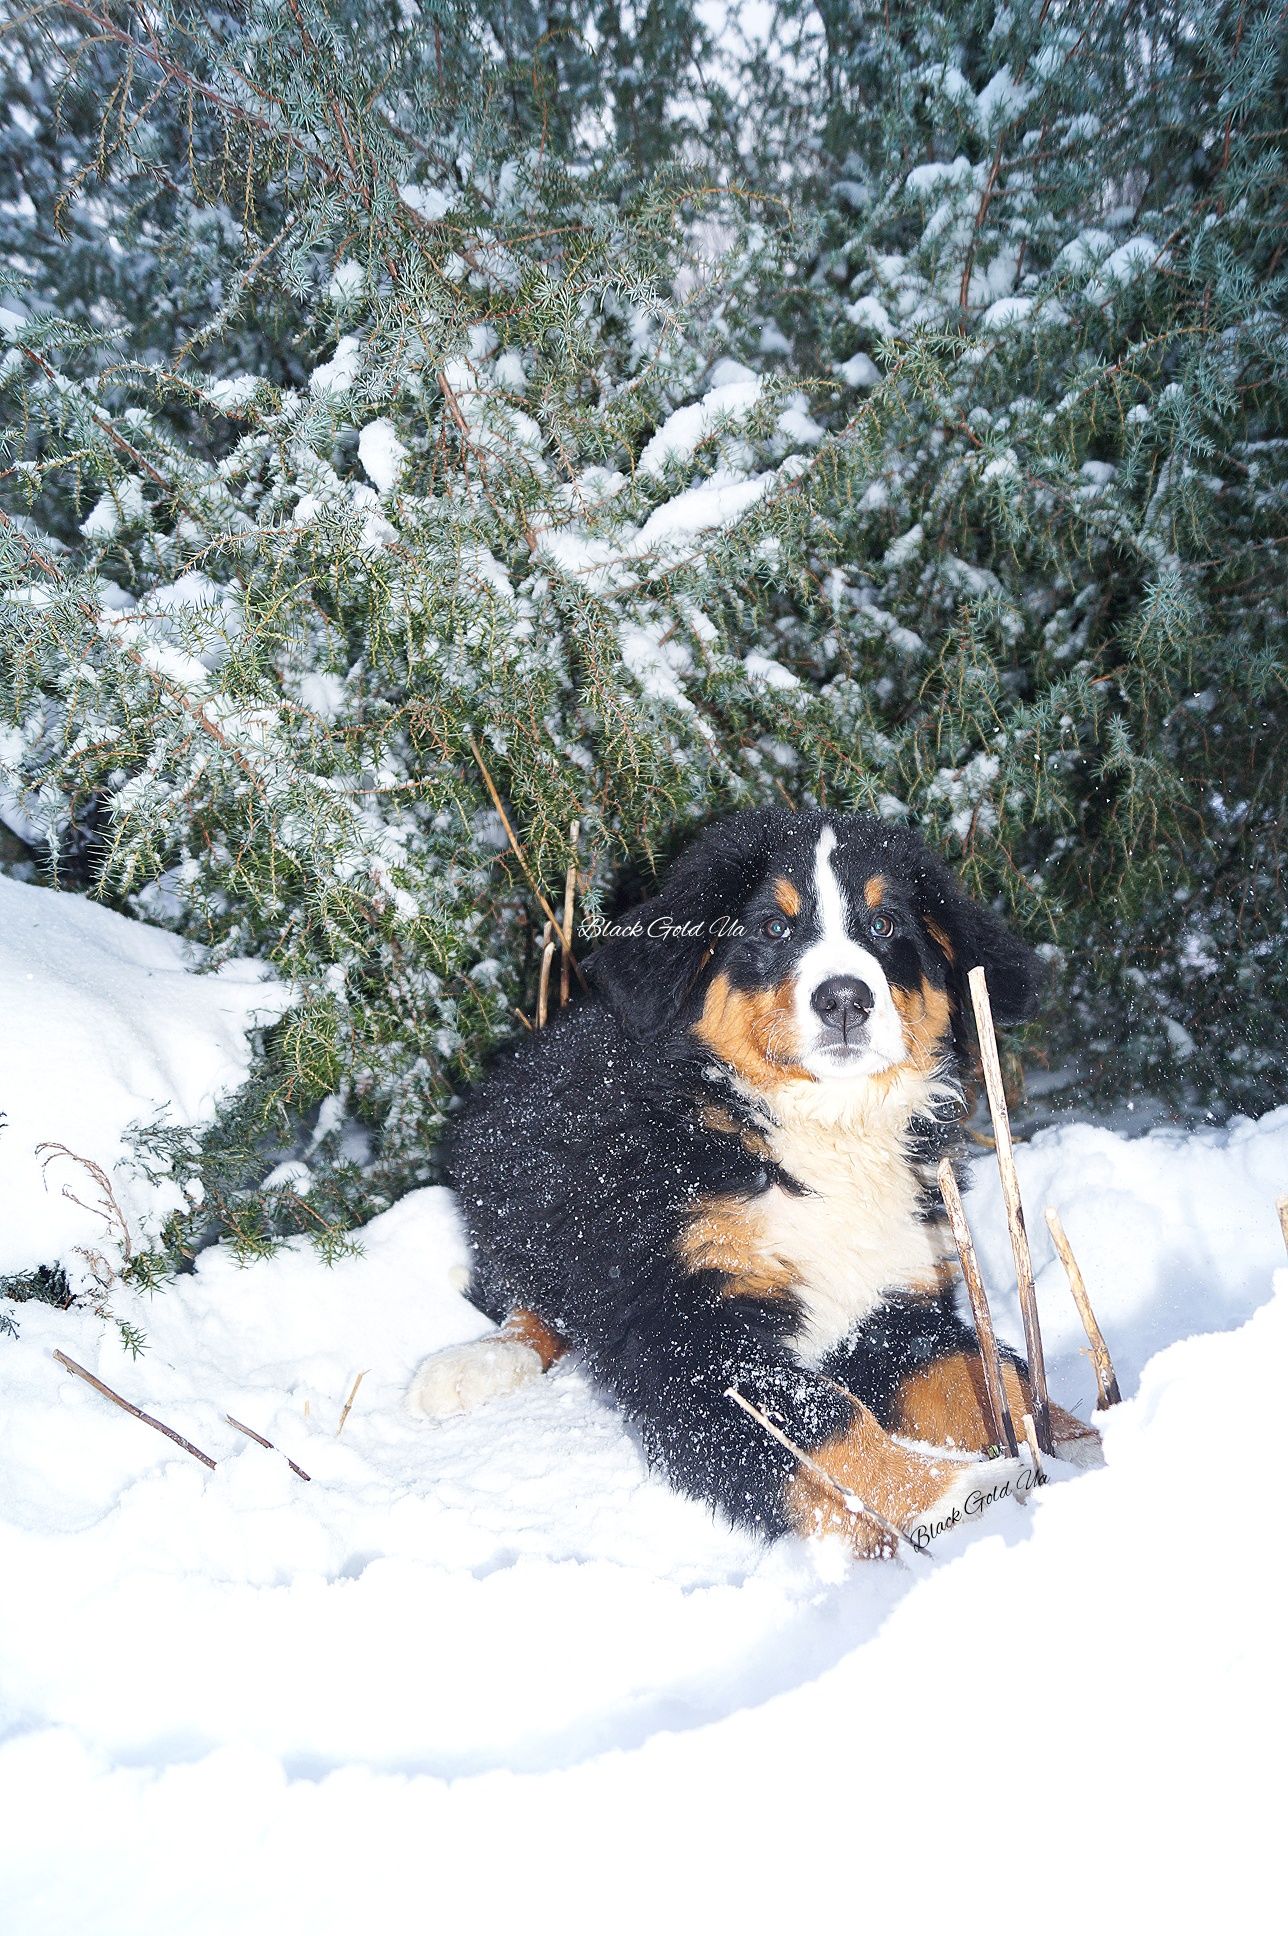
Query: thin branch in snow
<point x="1106" y="1377"/>
<point x="849" y="1500"/>
<point x="1014" y="1208"/>
<point x="1003" y="1426"/>
<point x="268" y="1445"/>
<point x="133" y="1410"/>
<point x="348" y="1403"/>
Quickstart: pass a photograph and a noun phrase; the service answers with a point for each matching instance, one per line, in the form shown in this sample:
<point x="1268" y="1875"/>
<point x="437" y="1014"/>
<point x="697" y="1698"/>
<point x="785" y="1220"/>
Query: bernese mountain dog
<point x="717" y="1175"/>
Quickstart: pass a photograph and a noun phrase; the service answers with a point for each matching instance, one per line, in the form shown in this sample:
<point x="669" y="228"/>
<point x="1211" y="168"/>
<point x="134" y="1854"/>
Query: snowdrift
<point x="496" y="1669"/>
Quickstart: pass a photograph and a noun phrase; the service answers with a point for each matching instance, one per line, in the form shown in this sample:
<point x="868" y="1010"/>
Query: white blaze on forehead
<point x="837" y="952"/>
<point x="827" y="890"/>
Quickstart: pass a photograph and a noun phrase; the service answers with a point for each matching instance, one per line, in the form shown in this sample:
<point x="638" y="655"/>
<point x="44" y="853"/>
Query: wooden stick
<point x="519" y="854"/>
<point x="348" y="1403"/>
<point x="1014" y="1208"/>
<point x="1031" y="1440"/>
<point x="848" y="1500"/>
<point x="1282" y="1208"/>
<point x="1106" y="1378"/>
<point x="267" y="1444"/>
<point x="570" y="890"/>
<point x="133" y="1410"/>
<point x="1003" y="1426"/>
<point x="543" y="985"/>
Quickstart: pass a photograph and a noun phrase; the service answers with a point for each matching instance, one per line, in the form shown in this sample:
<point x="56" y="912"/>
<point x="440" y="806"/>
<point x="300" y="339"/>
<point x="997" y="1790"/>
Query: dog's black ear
<point x="647" y="973"/>
<point x="976" y="937"/>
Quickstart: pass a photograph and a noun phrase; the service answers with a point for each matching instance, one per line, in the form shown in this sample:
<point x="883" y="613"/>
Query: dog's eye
<point x="882" y="926"/>
<point x="776" y="928"/>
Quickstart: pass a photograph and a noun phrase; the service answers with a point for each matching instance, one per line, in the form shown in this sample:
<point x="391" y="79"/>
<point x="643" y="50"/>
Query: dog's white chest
<point x="855" y="1231"/>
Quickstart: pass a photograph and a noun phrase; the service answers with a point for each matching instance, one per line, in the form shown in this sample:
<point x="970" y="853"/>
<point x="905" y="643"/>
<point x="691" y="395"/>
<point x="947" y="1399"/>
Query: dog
<point x="717" y="1176"/>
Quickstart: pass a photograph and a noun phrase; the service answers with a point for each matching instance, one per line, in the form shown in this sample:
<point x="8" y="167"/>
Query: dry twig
<point x="348" y="1403"/>
<point x="133" y="1410"/>
<point x="1014" y="1208"/>
<point x="1282" y="1208"/>
<point x="1031" y="1440"/>
<point x="570" y="890"/>
<point x="848" y="1500"/>
<point x="267" y="1444"/>
<point x="519" y="854"/>
<point x="109" y="1209"/>
<point x="543" y="985"/>
<point x="1003" y="1426"/>
<point x="1106" y="1378"/>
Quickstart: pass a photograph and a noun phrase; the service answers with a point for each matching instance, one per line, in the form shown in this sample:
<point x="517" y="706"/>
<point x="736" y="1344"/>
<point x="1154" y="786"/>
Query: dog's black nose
<point x="843" y="1003"/>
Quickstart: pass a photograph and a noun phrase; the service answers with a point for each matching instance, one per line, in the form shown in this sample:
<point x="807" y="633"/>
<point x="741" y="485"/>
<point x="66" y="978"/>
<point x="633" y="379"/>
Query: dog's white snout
<point x="844" y="1009"/>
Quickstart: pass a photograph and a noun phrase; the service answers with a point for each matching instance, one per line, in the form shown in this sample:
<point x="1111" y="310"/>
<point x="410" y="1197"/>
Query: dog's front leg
<point x="918" y="1367"/>
<point x="682" y="1344"/>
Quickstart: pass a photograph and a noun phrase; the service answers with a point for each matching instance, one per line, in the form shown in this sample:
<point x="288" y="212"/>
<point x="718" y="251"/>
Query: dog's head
<point x="810" y="946"/>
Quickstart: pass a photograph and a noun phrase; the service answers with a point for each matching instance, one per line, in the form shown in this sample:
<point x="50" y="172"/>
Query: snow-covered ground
<point x="103" y="1025"/>
<point x="494" y="1670"/>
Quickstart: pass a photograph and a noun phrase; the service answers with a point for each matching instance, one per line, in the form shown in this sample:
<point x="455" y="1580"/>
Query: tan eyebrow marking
<point x="874" y="890"/>
<point x="787" y="897"/>
<point x="936" y="933"/>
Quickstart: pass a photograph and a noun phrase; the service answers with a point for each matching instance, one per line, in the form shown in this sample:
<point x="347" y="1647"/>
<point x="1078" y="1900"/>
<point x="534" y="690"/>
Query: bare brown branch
<point x="145" y="1418"/>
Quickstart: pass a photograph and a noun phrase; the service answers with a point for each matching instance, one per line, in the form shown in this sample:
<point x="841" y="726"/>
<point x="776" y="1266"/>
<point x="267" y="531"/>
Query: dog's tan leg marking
<point x="527" y="1328"/>
<point x="946" y="1404"/>
<point x="906" y="1487"/>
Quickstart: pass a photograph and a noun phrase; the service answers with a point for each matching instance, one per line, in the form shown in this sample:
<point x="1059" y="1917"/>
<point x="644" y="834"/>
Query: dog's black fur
<point x="580" y="1159"/>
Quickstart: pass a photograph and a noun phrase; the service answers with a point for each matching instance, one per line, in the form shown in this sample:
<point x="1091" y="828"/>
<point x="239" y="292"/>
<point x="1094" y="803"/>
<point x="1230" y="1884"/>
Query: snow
<point x="658" y="661"/>
<point x="324" y="1698"/>
<point x="182" y="630"/>
<point x="335" y="376"/>
<point x="932" y="175"/>
<point x="84" y="990"/>
<point x="1132" y="259"/>
<point x="104" y="520"/>
<point x="470" y="1662"/>
<point x="381" y="453"/>
<point x="348" y="280"/>
<point x="719" y="501"/>
<point x="1084" y="251"/>
<point x="763" y="671"/>
<point x="126" y="504"/>
<point x="678" y="438"/>
<point x="1003" y="97"/>
<point x="860" y="372"/>
<point x="1005" y="311"/>
<point x="868" y="312"/>
<point x="903" y="547"/>
<point x="231" y="392"/>
<point x="795" y="422"/>
<point x="430" y="203"/>
<point x="666" y="535"/>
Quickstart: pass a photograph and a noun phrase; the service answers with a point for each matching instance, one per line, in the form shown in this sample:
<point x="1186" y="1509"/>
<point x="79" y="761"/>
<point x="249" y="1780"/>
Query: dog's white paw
<point x="974" y="1488"/>
<point x="466" y="1375"/>
<point x="1083" y="1449"/>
